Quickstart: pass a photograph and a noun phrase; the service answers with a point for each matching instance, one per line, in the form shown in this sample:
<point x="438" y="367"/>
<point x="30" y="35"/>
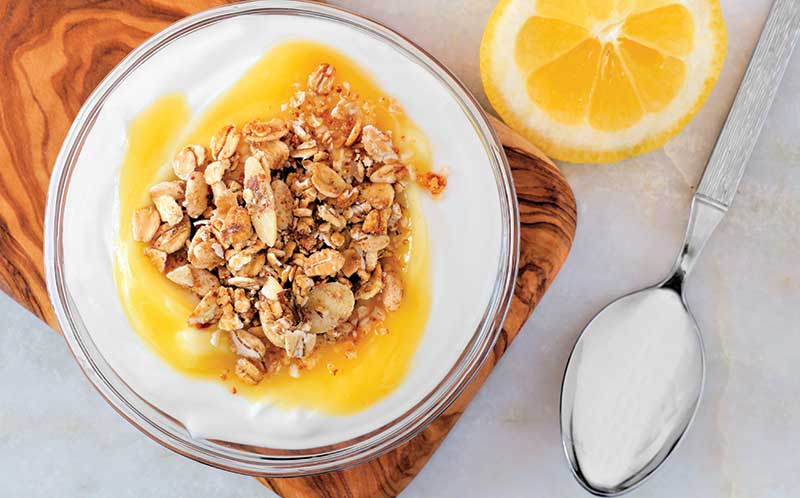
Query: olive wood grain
<point x="53" y="54"/>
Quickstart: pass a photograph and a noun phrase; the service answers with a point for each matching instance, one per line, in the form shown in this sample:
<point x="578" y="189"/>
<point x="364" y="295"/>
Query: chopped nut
<point x="187" y="160"/>
<point x="158" y="258"/>
<point x="224" y="198"/>
<point x="174" y="189"/>
<point x="284" y="203"/>
<point x="272" y="155"/>
<point x="260" y="201"/>
<point x="196" y="194"/>
<point x="200" y="281"/>
<point x="215" y="171"/>
<point x="236" y="228"/>
<point x="224" y="143"/>
<point x="392" y="286"/>
<point x="169" y="210"/>
<point x="229" y="320"/>
<point x="206" y="311"/>
<point x="171" y="238"/>
<point x="145" y="223"/>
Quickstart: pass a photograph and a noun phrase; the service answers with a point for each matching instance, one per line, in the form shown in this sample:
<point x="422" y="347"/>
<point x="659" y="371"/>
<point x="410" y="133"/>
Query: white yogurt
<point x="464" y="229"/>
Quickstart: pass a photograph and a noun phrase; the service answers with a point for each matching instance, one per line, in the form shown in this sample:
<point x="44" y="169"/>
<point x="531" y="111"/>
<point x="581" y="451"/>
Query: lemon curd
<point x="344" y="377"/>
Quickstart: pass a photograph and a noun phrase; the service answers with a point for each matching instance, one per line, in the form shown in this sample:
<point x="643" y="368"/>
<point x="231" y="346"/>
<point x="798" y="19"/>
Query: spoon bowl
<point x="631" y="388"/>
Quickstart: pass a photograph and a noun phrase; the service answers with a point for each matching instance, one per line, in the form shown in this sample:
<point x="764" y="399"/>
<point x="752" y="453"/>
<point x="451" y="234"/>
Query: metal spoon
<point x="635" y="375"/>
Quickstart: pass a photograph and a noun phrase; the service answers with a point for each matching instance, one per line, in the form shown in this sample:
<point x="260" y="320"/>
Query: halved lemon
<point x="601" y="80"/>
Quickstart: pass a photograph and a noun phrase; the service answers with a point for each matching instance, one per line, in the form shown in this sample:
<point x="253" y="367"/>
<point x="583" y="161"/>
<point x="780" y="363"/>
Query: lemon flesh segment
<point x="615" y="105"/>
<point x="668" y="29"/>
<point x="657" y="77"/>
<point x="563" y="87"/>
<point x="543" y="39"/>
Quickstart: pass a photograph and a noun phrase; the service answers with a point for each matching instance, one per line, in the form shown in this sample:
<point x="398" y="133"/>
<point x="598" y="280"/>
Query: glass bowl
<point x="255" y="459"/>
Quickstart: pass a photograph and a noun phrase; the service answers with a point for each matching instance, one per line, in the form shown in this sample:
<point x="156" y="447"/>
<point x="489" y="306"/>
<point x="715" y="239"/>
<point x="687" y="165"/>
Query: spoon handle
<point x="753" y="100"/>
<point x="738" y="137"/>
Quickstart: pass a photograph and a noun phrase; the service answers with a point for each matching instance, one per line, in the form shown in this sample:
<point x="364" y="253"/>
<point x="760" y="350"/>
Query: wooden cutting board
<point x="53" y="54"/>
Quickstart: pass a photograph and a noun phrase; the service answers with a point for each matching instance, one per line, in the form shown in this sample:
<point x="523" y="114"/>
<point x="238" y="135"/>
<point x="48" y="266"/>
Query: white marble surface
<point x="58" y="438"/>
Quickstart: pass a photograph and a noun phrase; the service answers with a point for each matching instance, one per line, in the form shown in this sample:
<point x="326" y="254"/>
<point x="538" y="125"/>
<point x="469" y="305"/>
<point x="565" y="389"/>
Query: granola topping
<point x="288" y="229"/>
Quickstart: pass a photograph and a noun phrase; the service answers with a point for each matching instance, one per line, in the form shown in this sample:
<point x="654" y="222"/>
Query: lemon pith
<point x="601" y="80"/>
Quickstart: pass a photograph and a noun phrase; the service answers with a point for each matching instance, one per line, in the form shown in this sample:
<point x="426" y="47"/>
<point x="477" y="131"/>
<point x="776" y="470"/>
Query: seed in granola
<point x="172" y="238"/>
<point x="158" y="258"/>
<point x="145" y="223"/>
<point x="169" y="210"/>
<point x="236" y="228"/>
<point x="260" y="201"/>
<point x="249" y="371"/>
<point x="196" y="194"/>
<point x="321" y="80"/>
<point x="225" y="142"/>
<point x="378" y="195"/>
<point x="264" y="131"/>
<point x="327" y="305"/>
<point x="326" y="262"/>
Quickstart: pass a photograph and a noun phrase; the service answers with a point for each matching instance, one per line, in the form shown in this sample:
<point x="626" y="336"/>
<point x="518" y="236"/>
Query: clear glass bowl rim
<point x="262" y="461"/>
